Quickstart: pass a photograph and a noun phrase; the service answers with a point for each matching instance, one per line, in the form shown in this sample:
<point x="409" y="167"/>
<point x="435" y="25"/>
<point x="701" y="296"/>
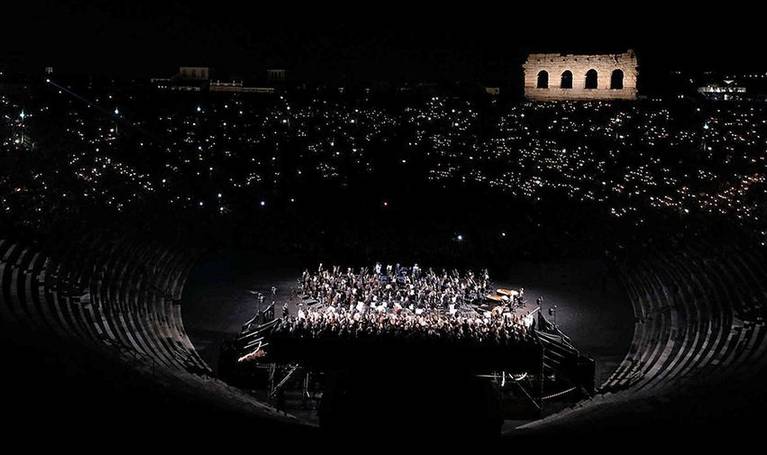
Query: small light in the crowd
<point x="263" y="203"/>
<point x="459" y="237"/>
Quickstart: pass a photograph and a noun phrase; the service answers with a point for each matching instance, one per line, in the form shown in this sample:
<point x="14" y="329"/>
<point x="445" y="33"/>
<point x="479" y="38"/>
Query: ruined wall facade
<point x="615" y="78"/>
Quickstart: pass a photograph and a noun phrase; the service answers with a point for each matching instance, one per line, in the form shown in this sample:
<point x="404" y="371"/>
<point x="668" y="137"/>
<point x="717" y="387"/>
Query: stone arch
<point x="591" y="76"/>
<point x="616" y="79"/>
<point x="591" y="81"/>
<point x="543" y="79"/>
<point x="566" y="79"/>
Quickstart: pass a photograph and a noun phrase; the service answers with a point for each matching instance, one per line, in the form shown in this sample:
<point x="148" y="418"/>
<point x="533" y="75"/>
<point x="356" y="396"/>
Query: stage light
<point x="459" y="237"/>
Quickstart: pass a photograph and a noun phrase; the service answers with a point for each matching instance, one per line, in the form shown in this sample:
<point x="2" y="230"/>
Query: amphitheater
<point x="113" y="308"/>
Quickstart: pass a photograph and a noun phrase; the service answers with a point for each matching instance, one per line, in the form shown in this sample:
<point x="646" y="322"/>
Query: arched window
<point x="591" y="79"/>
<point x="616" y="79"/>
<point x="543" y="80"/>
<point x="567" y="80"/>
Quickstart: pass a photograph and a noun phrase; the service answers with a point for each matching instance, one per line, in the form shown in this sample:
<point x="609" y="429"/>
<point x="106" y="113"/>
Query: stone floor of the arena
<point x="591" y="307"/>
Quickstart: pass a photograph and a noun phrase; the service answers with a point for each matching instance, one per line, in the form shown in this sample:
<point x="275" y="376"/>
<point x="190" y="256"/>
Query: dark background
<point x="391" y="41"/>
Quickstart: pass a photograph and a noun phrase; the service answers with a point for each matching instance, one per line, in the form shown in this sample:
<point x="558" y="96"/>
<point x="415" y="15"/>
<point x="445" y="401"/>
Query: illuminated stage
<point x="223" y="294"/>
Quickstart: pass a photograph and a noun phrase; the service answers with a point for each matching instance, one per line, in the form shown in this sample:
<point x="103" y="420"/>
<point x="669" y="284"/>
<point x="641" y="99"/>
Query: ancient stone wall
<point x="615" y="79"/>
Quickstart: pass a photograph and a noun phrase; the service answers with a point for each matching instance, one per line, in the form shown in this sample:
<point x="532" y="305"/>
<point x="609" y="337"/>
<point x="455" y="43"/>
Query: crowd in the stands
<point x="224" y="156"/>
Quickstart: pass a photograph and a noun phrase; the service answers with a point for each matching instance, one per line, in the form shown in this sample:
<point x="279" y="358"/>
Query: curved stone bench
<point x="699" y="336"/>
<point x="120" y="297"/>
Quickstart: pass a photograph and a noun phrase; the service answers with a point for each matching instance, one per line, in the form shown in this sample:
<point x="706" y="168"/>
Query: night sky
<point x="370" y="41"/>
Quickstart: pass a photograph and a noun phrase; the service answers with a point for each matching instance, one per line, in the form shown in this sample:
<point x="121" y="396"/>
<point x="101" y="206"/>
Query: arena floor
<point x="591" y="307"/>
